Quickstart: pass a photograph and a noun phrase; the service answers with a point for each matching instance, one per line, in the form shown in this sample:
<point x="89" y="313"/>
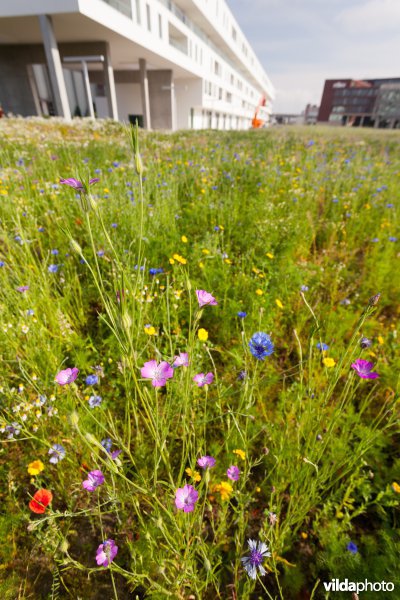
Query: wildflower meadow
<point x="199" y="362"/>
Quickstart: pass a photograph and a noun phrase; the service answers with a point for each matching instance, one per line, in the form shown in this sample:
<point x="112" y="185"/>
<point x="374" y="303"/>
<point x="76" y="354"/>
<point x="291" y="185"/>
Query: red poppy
<point x="41" y="499"/>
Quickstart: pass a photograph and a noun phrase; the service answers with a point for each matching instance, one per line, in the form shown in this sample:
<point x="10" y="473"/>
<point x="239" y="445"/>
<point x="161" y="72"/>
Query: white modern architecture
<point x="173" y="64"/>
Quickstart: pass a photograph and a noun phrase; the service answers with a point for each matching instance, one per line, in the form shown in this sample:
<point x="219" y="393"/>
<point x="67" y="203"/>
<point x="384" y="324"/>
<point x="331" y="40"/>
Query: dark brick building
<point x="355" y="102"/>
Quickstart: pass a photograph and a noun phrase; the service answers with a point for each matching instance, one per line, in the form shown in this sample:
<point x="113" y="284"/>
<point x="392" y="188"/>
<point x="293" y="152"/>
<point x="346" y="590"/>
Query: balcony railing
<point x="122" y="6"/>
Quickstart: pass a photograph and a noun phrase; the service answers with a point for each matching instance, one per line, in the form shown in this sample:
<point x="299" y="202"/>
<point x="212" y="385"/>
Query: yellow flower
<point x="259" y="292"/>
<point x="179" y="259"/>
<point x="328" y="362"/>
<point x="201" y="265"/>
<point x="270" y="255"/>
<point x="304" y="535"/>
<point x="184" y="239"/>
<point x="240" y="453"/>
<point x="35" y="467"/>
<point x="195" y="475"/>
<point x="171" y="261"/>
<point x="278" y="303"/>
<point x="205" y="251"/>
<point x="224" y="489"/>
<point x="380" y="340"/>
<point x="396" y="487"/>
<point x="150" y="330"/>
<point x="202" y="334"/>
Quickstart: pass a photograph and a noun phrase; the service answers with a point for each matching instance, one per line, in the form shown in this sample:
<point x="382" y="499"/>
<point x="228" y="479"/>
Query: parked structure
<point x="361" y="103"/>
<point x="172" y="64"/>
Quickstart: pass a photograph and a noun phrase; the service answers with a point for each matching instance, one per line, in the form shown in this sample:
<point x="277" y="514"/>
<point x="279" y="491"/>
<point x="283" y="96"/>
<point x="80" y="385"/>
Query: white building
<point x="176" y="64"/>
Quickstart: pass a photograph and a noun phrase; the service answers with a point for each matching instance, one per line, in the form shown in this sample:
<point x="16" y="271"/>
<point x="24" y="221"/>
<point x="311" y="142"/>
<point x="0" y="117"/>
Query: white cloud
<point x="374" y="16"/>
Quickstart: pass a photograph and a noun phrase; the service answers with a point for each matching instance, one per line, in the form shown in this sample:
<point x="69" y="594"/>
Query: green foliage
<point x="269" y="224"/>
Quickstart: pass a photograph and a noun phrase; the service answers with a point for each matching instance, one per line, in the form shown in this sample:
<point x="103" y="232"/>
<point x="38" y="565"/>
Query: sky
<point x="300" y="43"/>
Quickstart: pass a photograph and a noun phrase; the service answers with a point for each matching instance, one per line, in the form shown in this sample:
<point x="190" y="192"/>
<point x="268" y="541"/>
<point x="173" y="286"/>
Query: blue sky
<point x="300" y="43"/>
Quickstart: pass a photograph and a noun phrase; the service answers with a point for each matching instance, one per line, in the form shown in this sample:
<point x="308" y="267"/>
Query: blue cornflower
<point x="304" y="288"/>
<point x="392" y="238"/>
<point x="52" y="268"/>
<point x="107" y="444"/>
<point x="258" y="552"/>
<point x="57" y="453"/>
<point x="322" y="346"/>
<point x="154" y="271"/>
<point x="41" y="229"/>
<point x="54" y="251"/>
<point x="100" y="252"/>
<point x="2" y="263"/>
<point x="91" y="379"/>
<point x="260" y="345"/>
<point x="30" y="312"/>
<point x="352" y="547"/>
<point x="241" y="314"/>
<point x="95" y="401"/>
<point x="114" y="225"/>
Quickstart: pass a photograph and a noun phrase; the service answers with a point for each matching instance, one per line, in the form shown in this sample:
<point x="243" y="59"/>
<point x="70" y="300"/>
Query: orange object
<point x="256" y="123"/>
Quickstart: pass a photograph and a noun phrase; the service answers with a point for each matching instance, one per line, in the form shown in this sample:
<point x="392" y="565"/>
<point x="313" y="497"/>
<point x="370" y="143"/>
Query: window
<point x="234" y="34"/>
<point x="148" y="17"/>
<point x="137" y="5"/>
<point x="220" y="93"/>
<point x="228" y="97"/>
<point x="160" y="26"/>
<point x="217" y="68"/>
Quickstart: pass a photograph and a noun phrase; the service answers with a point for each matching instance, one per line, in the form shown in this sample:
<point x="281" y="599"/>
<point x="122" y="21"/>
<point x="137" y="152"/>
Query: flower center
<point x="256" y="558"/>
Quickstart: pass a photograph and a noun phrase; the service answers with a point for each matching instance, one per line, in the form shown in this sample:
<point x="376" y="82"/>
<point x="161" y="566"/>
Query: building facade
<point x="361" y="103"/>
<point x="170" y="64"/>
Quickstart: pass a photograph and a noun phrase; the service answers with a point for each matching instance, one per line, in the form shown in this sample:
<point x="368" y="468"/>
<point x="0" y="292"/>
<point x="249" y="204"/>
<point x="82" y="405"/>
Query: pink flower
<point x="78" y="185"/>
<point x="186" y="498"/>
<point x="202" y="379"/>
<point x="106" y="553"/>
<point x="205" y="462"/>
<point x="94" y="479"/>
<point x="182" y="360"/>
<point x="67" y="376"/>
<point x="157" y="373"/>
<point x="363" y="368"/>
<point x="233" y="473"/>
<point x="204" y="298"/>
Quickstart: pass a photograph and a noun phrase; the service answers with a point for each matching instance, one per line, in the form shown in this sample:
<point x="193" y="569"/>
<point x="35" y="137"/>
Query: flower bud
<point x="365" y="343"/>
<point x="373" y="301"/>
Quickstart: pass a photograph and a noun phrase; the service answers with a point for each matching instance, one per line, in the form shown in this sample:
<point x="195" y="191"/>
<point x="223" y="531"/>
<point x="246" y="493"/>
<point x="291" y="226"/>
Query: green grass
<point x="251" y="217"/>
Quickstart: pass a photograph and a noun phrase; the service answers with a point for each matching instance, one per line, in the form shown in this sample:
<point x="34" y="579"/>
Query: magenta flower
<point x="23" y="288"/>
<point x="186" y="498"/>
<point x="233" y="473"/>
<point x="205" y="462"/>
<point x="204" y="298"/>
<point x="78" y="185"/>
<point x="363" y="368"/>
<point x="67" y="376"/>
<point x="202" y="379"/>
<point x="106" y="553"/>
<point x="95" y="478"/>
<point x="157" y="373"/>
<point x="182" y="360"/>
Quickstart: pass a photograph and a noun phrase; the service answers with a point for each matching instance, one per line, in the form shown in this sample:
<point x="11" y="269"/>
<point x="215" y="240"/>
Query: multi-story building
<point x="172" y="64"/>
<point x="369" y="102"/>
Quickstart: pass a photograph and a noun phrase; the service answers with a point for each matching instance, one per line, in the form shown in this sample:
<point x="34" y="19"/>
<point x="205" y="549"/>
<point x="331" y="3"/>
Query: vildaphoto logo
<point x="335" y="585"/>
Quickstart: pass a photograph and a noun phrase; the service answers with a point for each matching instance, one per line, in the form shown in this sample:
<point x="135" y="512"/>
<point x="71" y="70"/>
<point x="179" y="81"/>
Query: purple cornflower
<point x="233" y="473"/>
<point x="57" y="453"/>
<point x="107" y="444"/>
<point x="23" y="288"/>
<point x="94" y="479"/>
<point x="91" y="380"/>
<point x="205" y="298"/>
<point x="182" y="360"/>
<point x="206" y="462"/>
<point x="53" y="268"/>
<point x="67" y="376"/>
<point x="158" y="373"/>
<point x="365" y="343"/>
<point x="95" y="401"/>
<point x="261" y="345"/>
<point x="106" y="553"/>
<point x="78" y="185"/>
<point x="186" y="498"/>
<point x="202" y="379"/>
<point x="258" y="551"/>
<point x="363" y="368"/>
<point x="241" y="314"/>
<point x="352" y="547"/>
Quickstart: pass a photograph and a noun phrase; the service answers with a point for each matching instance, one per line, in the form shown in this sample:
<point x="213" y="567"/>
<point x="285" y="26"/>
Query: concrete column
<point x="54" y="66"/>
<point x="87" y="88"/>
<point x="144" y="87"/>
<point x="110" y="84"/>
